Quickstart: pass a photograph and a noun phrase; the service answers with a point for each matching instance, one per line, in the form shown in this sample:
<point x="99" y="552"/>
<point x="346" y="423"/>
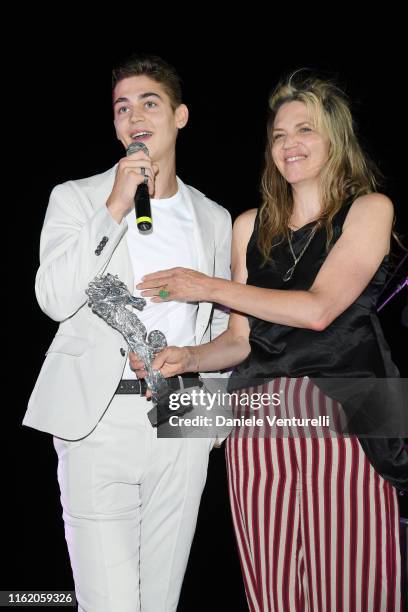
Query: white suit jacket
<point x="86" y="359"/>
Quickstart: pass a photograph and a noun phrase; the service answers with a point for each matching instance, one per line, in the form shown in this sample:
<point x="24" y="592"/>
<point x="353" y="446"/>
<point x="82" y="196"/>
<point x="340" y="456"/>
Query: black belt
<point x="139" y="387"/>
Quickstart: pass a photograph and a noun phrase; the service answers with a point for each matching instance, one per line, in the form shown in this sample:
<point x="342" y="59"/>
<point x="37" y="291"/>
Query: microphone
<point x="142" y="199"/>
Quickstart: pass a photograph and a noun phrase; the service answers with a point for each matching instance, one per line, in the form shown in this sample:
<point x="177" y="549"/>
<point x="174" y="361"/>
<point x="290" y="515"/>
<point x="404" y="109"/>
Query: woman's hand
<point x="175" y="360"/>
<point x="181" y="284"/>
<point x="170" y="361"/>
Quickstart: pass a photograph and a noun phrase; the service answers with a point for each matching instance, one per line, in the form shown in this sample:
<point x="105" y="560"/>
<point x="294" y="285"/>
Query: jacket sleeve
<point x="216" y="382"/>
<point x="222" y="269"/>
<point x="76" y="244"/>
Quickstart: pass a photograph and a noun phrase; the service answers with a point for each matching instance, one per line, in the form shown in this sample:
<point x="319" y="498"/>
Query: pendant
<point x="289" y="274"/>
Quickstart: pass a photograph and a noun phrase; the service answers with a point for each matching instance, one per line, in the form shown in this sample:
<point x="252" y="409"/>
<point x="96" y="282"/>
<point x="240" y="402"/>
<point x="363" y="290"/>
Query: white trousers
<point x="130" y="502"/>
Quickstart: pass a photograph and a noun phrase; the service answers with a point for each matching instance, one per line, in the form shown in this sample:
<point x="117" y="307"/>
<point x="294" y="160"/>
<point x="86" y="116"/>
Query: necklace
<point x="289" y="273"/>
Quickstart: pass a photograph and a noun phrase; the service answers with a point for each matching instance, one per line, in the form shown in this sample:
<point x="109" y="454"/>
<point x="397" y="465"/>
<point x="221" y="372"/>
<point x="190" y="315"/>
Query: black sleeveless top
<point x="352" y="346"/>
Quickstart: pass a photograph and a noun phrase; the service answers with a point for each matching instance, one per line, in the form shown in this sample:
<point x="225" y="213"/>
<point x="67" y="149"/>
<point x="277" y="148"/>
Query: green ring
<point x="163" y="293"/>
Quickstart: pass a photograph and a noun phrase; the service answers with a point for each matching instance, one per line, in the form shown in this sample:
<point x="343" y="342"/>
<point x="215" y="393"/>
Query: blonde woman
<point x="316" y="518"/>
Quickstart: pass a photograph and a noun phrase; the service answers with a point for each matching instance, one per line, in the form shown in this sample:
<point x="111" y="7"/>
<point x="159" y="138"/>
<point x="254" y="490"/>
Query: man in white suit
<point x="130" y="499"/>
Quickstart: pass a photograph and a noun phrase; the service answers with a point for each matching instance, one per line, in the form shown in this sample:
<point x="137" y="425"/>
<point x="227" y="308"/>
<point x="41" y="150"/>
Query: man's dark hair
<point x="155" y="68"/>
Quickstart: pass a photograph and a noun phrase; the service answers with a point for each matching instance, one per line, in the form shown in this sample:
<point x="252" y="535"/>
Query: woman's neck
<point x="306" y="204"/>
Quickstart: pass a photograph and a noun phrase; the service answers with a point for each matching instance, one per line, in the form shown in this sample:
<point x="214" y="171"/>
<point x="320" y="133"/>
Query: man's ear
<point x="181" y="115"/>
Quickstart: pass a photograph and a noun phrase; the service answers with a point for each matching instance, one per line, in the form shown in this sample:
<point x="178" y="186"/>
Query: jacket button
<point x="122" y="352"/>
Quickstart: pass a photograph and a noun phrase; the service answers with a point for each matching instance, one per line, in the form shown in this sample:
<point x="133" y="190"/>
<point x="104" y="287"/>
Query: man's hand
<point x="129" y="175"/>
<point x="137" y="365"/>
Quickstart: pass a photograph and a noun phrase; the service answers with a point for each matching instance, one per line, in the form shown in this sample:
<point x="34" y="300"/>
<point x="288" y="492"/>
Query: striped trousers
<point x="317" y="527"/>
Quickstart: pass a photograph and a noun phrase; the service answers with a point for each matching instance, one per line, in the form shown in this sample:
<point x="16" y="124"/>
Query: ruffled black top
<point x="352" y="346"/>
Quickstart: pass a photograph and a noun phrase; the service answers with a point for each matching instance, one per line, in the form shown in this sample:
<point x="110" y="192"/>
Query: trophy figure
<point x="108" y="297"/>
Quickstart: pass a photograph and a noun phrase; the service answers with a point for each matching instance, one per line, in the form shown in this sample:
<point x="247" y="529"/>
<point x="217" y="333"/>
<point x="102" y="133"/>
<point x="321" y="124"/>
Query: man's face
<point x="143" y="113"/>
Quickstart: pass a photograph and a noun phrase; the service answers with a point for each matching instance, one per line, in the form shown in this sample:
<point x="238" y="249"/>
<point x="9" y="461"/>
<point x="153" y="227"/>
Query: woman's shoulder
<point x="243" y="229"/>
<point x="244" y="223"/>
<point x="376" y="207"/>
<point x="246" y="217"/>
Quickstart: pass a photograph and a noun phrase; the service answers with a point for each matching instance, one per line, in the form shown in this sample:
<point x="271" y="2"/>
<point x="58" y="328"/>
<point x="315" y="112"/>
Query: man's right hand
<point x="128" y="177"/>
<point x="137" y="365"/>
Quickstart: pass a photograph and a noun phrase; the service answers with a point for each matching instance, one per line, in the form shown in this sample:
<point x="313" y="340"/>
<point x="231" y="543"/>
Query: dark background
<point x="60" y="114"/>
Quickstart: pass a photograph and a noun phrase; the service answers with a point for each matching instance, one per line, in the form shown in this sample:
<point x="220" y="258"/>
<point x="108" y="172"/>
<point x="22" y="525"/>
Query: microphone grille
<point x="134" y="147"/>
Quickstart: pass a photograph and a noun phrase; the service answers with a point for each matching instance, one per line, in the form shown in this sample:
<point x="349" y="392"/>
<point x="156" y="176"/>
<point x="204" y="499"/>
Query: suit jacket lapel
<point x="204" y="239"/>
<point x="203" y="228"/>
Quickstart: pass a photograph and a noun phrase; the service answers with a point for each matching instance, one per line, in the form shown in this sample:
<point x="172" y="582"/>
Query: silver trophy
<point x="109" y="298"/>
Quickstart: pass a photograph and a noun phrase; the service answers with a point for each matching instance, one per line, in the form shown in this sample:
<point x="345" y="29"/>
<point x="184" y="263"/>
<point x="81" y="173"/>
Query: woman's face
<point x="299" y="149"/>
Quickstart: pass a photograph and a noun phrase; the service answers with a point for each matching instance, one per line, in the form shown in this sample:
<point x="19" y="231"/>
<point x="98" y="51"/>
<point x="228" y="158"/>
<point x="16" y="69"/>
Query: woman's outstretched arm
<point x="346" y="272"/>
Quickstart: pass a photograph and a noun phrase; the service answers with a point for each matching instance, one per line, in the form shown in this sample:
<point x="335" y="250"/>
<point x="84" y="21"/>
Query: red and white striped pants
<point x="317" y="527"/>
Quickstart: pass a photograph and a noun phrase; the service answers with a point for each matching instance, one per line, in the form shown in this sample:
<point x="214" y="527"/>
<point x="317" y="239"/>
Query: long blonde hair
<point x="347" y="173"/>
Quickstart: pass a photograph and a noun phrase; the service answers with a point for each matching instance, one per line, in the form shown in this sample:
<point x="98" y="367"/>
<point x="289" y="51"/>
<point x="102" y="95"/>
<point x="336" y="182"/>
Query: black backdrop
<point x="63" y="129"/>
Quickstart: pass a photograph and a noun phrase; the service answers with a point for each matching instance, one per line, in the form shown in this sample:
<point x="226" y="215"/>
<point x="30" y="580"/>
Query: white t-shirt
<point x="170" y="244"/>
